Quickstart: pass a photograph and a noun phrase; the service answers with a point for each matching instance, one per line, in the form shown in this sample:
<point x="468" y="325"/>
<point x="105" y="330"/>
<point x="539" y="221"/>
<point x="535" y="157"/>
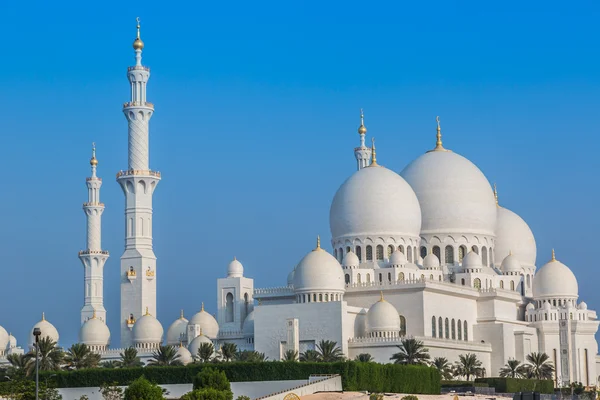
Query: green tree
<point x="513" y="369"/>
<point x="205" y="352"/>
<point x="468" y="365"/>
<point x="111" y="391"/>
<point x="207" y="394"/>
<point x="228" y="351"/>
<point x="109" y="364"/>
<point x="443" y="366"/>
<point x="412" y="351"/>
<point x="329" y="351"/>
<point x="211" y="378"/>
<point x="80" y="356"/>
<point x="539" y="366"/>
<point x="290" y="355"/>
<point x="309" y="356"/>
<point x="50" y="356"/>
<point x="142" y="389"/>
<point x="250" y="356"/>
<point x="129" y="359"/>
<point x="165" y="356"/>
<point x="364" y="357"/>
<point x="19" y="365"/>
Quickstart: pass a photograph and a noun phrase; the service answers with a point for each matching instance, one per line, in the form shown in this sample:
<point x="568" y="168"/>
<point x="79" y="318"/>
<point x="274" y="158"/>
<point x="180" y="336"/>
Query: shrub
<point x="209" y="394"/>
<point x="410" y="397"/>
<point x="211" y="378"/>
<point x="142" y="389"/>
<point x="111" y="391"/>
<point x="243" y="398"/>
<point x="514" y="385"/>
<point x="376" y="396"/>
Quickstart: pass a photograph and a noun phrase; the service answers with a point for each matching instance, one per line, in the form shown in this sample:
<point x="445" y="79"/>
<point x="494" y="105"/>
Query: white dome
<point x="248" y="326"/>
<point x="398" y="258"/>
<point x="555" y="280"/>
<point x="375" y="201"/>
<point x="147" y="330"/>
<point x="319" y="271"/>
<point x="208" y="323"/>
<point x="431" y="261"/>
<point x="383" y="317"/>
<point x="4" y="339"/>
<point x="177" y="331"/>
<point x="513" y="235"/>
<point x="290" y="278"/>
<point x="47" y="329"/>
<point x="94" y="332"/>
<point x="196" y="343"/>
<point x="472" y="260"/>
<point x="547" y="305"/>
<point x="454" y="195"/>
<point x="184" y="355"/>
<point x="582" y="305"/>
<point x="511" y="264"/>
<point x="530" y="306"/>
<point x="235" y="269"/>
<point x="350" y="260"/>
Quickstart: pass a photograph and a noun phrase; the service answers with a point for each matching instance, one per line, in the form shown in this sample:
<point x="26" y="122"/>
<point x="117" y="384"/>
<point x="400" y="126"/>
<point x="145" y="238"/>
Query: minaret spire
<point x="373" y="154"/>
<point x="362" y="153"/>
<point x="93" y="257"/>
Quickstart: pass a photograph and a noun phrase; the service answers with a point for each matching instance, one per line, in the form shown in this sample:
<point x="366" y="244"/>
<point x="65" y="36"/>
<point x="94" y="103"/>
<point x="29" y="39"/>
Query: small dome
<point x="530" y="307"/>
<point x="290" y="278"/>
<point x="147" y="330"/>
<point x="138" y="44"/>
<point x="47" y="329"/>
<point x="235" y="269"/>
<point x="4" y="339"/>
<point x="350" y="260"/>
<point x="184" y="355"/>
<point x="511" y="264"/>
<point x="397" y="258"/>
<point x="196" y="343"/>
<point x="383" y="317"/>
<point x="208" y="323"/>
<point x="94" y="332"/>
<point x="472" y="260"/>
<point x="431" y="261"/>
<point x="177" y="332"/>
<point x="547" y="305"/>
<point x="248" y="326"/>
<point x="582" y="305"/>
<point x="319" y="271"/>
<point x="555" y="280"/>
<point x="514" y="235"/>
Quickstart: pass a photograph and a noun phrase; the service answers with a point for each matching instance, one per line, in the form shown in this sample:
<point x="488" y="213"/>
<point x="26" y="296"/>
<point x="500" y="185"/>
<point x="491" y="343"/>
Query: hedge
<point x="455" y="384"/>
<point x="514" y="385"/>
<point x="355" y="375"/>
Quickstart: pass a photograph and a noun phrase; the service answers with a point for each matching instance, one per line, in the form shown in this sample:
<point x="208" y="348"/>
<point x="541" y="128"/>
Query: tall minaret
<point x="362" y="153"/>
<point x="93" y="257"/>
<point x="138" y="262"/>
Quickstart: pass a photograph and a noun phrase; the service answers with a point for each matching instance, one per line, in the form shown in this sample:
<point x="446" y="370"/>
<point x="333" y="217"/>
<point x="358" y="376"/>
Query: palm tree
<point x="539" y="366"/>
<point x="19" y="364"/>
<point x="109" y="364"/>
<point x="129" y="358"/>
<point x="80" y="356"/>
<point x="228" y="351"/>
<point x="309" y="356"/>
<point x="250" y="356"/>
<point x="412" y="351"/>
<point x="50" y="356"/>
<point x="468" y="365"/>
<point x="165" y="356"/>
<point x="443" y="366"/>
<point x="290" y="355"/>
<point x="205" y="352"/>
<point x="513" y="369"/>
<point x="364" y="357"/>
<point x="329" y="351"/>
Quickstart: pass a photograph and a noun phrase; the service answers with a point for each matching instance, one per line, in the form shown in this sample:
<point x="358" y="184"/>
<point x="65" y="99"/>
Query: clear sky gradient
<point x="257" y="106"/>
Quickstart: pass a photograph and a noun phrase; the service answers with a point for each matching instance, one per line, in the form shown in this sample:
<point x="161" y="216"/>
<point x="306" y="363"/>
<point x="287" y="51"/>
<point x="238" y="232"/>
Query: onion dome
<point x="185" y="356"/>
<point x="47" y="329"/>
<point x="290" y="278"/>
<point x="555" y="280"/>
<point x="147" y="330"/>
<point x="177" y="331"/>
<point x="137" y="43"/>
<point x="397" y="259"/>
<point x="530" y="307"/>
<point x="94" y="332"/>
<point x="375" y="201"/>
<point x="235" y="269"/>
<point x="350" y="260"/>
<point x="360" y="325"/>
<point x="472" y="260"/>
<point x="454" y="195"/>
<point x="12" y="342"/>
<point x="208" y="324"/>
<point x="248" y="326"/>
<point x="4" y="339"/>
<point x="514" y="235"/>
<point x="383" y="317"/>
<point x="510" y="265"/>
<point x="582" y="305"/>
<point x="194" y="346"/>
<point x="319" y="271"/>
<point x="431" y="261"/>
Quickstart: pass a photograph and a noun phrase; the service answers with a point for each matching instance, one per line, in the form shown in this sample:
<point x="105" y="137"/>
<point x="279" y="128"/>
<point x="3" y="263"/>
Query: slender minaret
<point x="362" y="153"/>
<point x="93" y="257"/>
<point x="138" y="262"/>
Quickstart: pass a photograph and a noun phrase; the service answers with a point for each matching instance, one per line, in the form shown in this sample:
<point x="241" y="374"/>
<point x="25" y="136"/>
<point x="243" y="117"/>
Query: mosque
<point x="426" y="253"/>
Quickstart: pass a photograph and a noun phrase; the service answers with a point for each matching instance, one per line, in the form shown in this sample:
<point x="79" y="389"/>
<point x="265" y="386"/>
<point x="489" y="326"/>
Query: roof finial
<point x="147" y="312"/>
<point x="373" y="154"/>
<point x="93" y="160"/>
<point x="201" y="331"/>
<point x="181" y="315"/>
<point x="43" y="316"/>
<point x="318" y="243"/>
<point x="234" y="258"/>
<point x="94" y="314"/>
<point x="202" y="307"/>
<point x="496" y="195"/>
<point x="381" y="294"/>
<point x="180" y="344"/>
<point x="510" y="252"/>
<point x="137" y="43"/>
<point x="362" y="129"/>
<point x="438" y="143"/>
<point x="553" y="256"/>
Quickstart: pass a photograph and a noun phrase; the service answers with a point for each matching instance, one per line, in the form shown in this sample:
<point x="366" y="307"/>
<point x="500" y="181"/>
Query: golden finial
<point x="93" y="160"/>
<point x="202" y="307"/>
<point x="318" y="243"/>
<point x="553" y="256"/>
<point x="94" y="314"/>
<point x="510" y="252"/>
<point x="201" y="331"/>
<point x="147" y="312"/>
<point x="43" y="316"/>
<point x="180" y="344"/>
<point x="373" y="154"/>
<point x="381" y="294"/>
<point x="496" y="194"/>
<point x="137" y="43"/>
<point x="362" y="129"/>
<point x="181" y="315"/>
<point x="438" y="143"/>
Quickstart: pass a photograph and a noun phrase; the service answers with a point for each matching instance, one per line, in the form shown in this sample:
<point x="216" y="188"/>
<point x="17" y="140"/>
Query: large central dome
<point x="375" y="201"/>
<point x="454" y="195"/>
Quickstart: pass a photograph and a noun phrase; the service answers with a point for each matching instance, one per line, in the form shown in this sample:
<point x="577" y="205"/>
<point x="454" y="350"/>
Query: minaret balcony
<point x="150" y="274"/>
<point x="93" y="178"/>
<point x="137" y="68"/>
<point x="141" y="172"/>
<point x="130" y="322"/>
<point x="138" y="104"/>
<point x="93" y="204"/>
<point x="131" y="274"/>
<point x="92" y="252"/>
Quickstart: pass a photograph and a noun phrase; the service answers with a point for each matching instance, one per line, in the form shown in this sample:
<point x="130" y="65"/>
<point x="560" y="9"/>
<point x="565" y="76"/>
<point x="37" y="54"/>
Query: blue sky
<point x="256" y="115"/>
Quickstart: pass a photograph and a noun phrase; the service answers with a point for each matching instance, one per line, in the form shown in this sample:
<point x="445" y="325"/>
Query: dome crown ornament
<point x="438" y="143"/>
<point x="373" y="154"/>
<point x="137" y="43"/>
<point x="93" y="160"/>
<point x="362" y="129"/>
<point x="553" y="256"/>
<point x="318" y="248"/>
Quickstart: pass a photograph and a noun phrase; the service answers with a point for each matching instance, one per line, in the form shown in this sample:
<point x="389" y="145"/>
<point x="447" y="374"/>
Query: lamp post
<point x="36" y="333"/>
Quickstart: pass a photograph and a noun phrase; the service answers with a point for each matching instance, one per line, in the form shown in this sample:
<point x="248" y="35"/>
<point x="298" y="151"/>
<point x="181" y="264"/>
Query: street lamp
<point x="36" y="333"/>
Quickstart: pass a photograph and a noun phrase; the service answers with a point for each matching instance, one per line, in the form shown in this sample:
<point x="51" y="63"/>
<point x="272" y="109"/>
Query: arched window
<point x="436" y="252"/>
<point x="449" y="254"/>
<point x="415" y="254"/>
<point x="439" y="278"/>
<point x="358" y="253"/>
<point x="431" y="277"/>
<point x="459" y="326"/>
<point x="390" y="251"/>
<point x="440" y="328"/>
<point x="389" y="276"/>
<point x="369" y="253"/>
<point x="423" y="251"/>
<point x="401" y="276"/>
<point x="347" y="278"/>
<point x="433" y="330"/>
<point x="422" y="277"/>
<point x="462" y="281"/>
<point x="246" y="306"/>
<point x="477" y="283"/>
<point x="348" y="248"/>
<point x="461" y="253"/>
<point x="368" y="278"/>
<point x="229" y="308"/>
<point x="321" y="297"/>
<point x="453" y="329"/>
<point x="335" y="253"/>
<point x="512" y="285"/>
<point x="447" y="326"/>
<point x="358" y="278"/>
<point x="501" y="284"/>
<point x="341" y="254"/>
<point x="484" y="259"/>
<point x="408" y="254"/>
<point x="401" y="248"/>
<point x="380" y="278"/>
<point x="529" y="283"/>
<point x="379" y="252"/>
<point x="465" y="331"/>
<point x="402" y="326"/>
<point x="475" y="249"/>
